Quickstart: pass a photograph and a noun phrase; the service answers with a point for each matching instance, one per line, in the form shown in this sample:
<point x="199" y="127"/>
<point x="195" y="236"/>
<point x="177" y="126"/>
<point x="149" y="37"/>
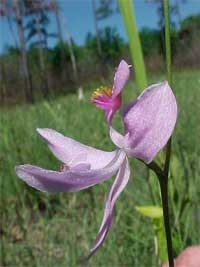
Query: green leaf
<point x="153" y="212"/>
<point x="156" y="214"/>
<point x="161" y="239"/>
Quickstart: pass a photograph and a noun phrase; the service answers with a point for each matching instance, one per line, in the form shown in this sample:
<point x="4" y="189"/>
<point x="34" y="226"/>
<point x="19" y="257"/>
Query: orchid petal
<point x="70" y="180"/>
<point x="121" y="77"/>
<point x="116" y="137"/>
<point x="149" y="121"/>
<point x="110" y="111"/>
<point x="68" y="150"/>
<point x="79" y="158"/>
<point x="109" y="116"/>
<point x="82" y="166"/>
<point x="117" y="187"/>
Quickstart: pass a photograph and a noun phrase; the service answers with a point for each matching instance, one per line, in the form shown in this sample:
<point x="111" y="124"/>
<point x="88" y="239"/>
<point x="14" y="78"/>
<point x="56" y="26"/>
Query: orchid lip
<point x="110" y="100"/>
<point x="101" y="91"/>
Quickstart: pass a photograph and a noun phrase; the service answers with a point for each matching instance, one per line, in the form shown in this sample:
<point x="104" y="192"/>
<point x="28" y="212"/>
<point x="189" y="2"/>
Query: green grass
<point x="41" y="229"/>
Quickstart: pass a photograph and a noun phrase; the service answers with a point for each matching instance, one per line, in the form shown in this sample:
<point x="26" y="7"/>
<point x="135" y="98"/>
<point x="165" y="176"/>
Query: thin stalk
<point x="155" y="167"/>
<point x="127" y="11"/>
<point x="167" y="42"/>
<point x="164" y="179"/>
<point x="167" y="158"/>
<point x="169" y="74"/>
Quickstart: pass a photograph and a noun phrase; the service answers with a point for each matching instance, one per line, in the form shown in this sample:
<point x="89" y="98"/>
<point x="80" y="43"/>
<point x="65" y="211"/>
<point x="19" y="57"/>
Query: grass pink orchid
<point x="148" y="121"/>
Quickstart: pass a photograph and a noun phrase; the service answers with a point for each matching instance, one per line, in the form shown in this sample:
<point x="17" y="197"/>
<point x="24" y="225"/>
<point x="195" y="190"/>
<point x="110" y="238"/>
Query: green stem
<point x="167" y="41"/>
<point x="164" y="179"/>
<point x="155" y="167"/>
<point x="167" y="158"/>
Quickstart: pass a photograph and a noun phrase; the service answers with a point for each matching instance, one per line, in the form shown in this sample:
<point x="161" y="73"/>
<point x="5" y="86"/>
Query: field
<point x="41" y="229"/>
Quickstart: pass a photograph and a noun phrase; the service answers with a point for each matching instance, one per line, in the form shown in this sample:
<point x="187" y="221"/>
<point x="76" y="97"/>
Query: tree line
<point x="39" y="70"/>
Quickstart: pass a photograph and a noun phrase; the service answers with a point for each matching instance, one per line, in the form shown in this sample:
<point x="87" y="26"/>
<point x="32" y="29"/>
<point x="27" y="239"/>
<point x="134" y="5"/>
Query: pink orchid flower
<point x="149" y="122"/>
<point x="110" y="100"/>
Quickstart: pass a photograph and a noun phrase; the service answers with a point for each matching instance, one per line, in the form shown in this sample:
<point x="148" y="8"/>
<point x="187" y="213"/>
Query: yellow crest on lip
<point x="103" y="90"/>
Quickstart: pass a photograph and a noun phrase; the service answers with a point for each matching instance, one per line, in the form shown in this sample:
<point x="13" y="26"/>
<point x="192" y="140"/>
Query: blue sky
<point x="80" y="19"/>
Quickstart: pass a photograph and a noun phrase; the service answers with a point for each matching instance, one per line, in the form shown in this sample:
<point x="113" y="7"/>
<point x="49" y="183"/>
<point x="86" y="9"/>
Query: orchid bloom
<point x="149" y="122"/>
<point x="110" y="100"/>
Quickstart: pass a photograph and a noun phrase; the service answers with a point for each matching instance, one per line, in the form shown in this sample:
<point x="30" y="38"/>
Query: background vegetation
<point x="67" y="66"/>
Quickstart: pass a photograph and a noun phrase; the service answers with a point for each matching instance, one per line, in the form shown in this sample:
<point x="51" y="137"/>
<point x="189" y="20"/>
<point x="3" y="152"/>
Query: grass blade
<point x="128" y="15"/>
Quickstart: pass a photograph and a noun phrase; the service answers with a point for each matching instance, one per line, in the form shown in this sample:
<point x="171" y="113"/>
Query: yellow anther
<point x="102" y="91"/>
